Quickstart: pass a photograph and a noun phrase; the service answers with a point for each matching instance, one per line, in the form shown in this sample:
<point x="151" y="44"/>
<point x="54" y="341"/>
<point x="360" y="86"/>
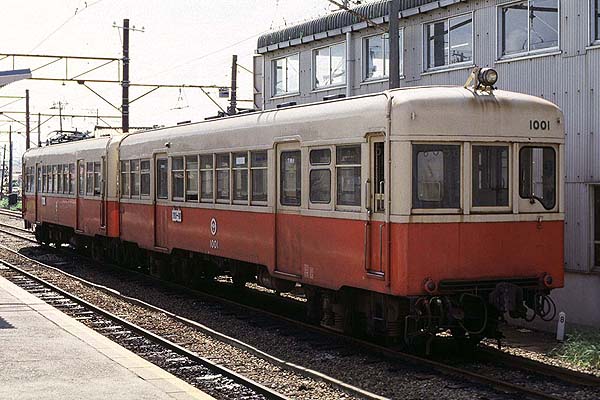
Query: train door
<point x="288" y="220"/>
<point x="80" y="193"/>
<point x="161" y="196"/>
<point x="37" y="190"/>
<point x="102" y="186"/>
<point x="375" y="227"/>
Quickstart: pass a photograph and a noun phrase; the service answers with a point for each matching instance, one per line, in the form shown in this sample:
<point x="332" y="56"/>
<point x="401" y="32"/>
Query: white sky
<point x="185" y="42"/>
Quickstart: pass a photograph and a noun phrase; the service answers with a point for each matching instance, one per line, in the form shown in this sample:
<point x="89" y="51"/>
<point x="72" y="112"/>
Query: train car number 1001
<point x="536" y="125"/>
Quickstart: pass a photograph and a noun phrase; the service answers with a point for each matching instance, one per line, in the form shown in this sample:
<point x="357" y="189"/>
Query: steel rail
<point x="240" y="379"/>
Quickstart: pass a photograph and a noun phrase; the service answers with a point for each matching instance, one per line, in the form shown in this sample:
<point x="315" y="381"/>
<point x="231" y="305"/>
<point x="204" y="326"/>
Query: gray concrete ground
<point x="44" y="354"/>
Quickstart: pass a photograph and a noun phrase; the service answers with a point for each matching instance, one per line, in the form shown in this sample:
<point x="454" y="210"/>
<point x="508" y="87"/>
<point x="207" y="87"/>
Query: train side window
<point x="145" y="177"/>
<point x="89" y="179"/>
<point x="59" y="178"/>
<point x="39" y="179"/>
<point x="72" y="178"/>
<point x="490" y="176"/>
<point x="291" y="178"/>
<point x="223" y="177"/>
<point x="537" y="175"/>
<point x="81" y="177"/>
<point x="65" y="187"/>
<point x="436" y="176"/>
<point x="206" y="178"/>
<point x="320" y="178"/>
<point x="97" y="180"/>
<point x="177" y="178"/>
<point x="162" y="178"/>
<point x="240" y="176"/>
<point x="191" y="178"/>
<point x="54" y="178"/>
<point x="125" y="186"/>
<point x="259" y="175"/>
<point x="347" y="165"/>
<point x="134" y="178"/>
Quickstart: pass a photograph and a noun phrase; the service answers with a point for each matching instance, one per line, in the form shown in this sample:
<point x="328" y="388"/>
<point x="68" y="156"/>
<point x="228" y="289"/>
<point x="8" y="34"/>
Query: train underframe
<point x="468" y="310"/>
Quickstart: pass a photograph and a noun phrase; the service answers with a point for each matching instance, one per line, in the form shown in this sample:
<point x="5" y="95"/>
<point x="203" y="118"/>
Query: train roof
<point x="416" y="112"/>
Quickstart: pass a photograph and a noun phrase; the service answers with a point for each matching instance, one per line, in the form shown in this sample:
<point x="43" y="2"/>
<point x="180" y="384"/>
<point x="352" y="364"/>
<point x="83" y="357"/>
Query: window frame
<point x="363" y="52"/>
<point x="158" y="198"/>
<point x="212" y="199"/>
<point x="252" y="168"/>
<point x="285" y="93"/>
<point x="280" y="177"/>
<point x="461" y="202"/>
<point x="185" y="177"/>
<point x="449" y="66"/>
<point x="336" y="166"/>
<point x="146" y="172"/>
<point x="595" y="219"/>
<point x="493" y="209"/>
<point x="97" y="178"/>
<point x="314" y="67"/>
<point x="233" y="171"/>
<point x="525" y="206"/>
<point x="172" y="172"/>
<point x="332" y="181"/>
<point x="216" y="170"/>
<point x="528" y="53"/>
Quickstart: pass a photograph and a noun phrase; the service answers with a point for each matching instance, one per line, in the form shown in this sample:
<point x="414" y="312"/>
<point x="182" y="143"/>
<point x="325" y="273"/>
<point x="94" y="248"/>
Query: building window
<point x="206" y="178"/>
<point x="145" y="177"/>
<point x="240" y="176"/>
<point x="258" y="172"/>
<point x="529" y="26"/>
<point x="162" y="178"/>
<point x="377" y="56"/>
<point x="191" y="178"/>
<point x="347" y="165"/>
<point x="223" y="176"/>
<point x="537" y="175"/>
<point x="597" y="226"/>
<point x="596" y="19"/>
<point x="490" y="176"/>
<point x="330" y="66"/>
<point x="286" y="75"/>
<point x="125" y="185"/>
<point x="449" y="42"/>
<point x="436" y="176"/>
<point x="320" y="176"/>
<point x="177" y="177"/>
<point x="291" y="178"/>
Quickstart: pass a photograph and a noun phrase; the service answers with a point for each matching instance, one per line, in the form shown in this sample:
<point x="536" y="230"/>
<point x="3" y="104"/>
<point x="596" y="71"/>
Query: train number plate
<point x="176" y="215"/>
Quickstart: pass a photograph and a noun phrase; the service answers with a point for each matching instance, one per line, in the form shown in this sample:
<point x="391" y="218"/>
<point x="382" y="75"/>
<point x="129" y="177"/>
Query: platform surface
<point x="45" y="354"/>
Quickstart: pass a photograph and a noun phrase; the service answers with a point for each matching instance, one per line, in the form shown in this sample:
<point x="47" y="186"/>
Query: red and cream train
<point x="400" y="213"/>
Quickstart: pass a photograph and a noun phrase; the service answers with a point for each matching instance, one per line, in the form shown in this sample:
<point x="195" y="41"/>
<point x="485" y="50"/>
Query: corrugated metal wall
<point x="569" y="77"/>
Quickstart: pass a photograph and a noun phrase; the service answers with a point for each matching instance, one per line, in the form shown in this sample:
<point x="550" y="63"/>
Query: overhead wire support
<point x="358" y="15"/>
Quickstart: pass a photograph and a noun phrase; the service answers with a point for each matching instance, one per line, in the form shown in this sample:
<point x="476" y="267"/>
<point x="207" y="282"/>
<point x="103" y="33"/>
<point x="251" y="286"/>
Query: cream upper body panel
<point x="459" y="113"/>
<point x="88" y="150"/>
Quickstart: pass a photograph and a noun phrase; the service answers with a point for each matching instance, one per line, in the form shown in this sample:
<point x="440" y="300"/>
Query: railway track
<point x="498" y="383"/>
<point x="212" y="378"/>
<point x="10" y="213"/>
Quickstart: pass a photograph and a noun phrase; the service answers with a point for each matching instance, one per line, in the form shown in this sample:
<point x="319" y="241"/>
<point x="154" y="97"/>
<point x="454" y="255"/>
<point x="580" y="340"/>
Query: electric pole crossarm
<point x="91" y="70"/>
<point x="213" y="100"/>
<point x="147" y="93"/>
<point x="99" y="95"/>
<point x="47" y="64"/>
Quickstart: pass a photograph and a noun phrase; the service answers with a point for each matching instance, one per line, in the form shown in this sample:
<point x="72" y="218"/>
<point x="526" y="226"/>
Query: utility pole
<point x="394" y="40"/>
<point x="39" y="142"/>
<point x="27" y="127"/>
<point x="10" y="159"/>
<point x="125" y="82"/>
<point x="232" y="110"/>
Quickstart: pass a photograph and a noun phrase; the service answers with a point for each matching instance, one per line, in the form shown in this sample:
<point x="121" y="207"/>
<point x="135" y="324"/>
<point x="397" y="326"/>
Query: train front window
<point x="436" y="176"/>
<point x="490" y="176"/>
<point x="537" y="175"/>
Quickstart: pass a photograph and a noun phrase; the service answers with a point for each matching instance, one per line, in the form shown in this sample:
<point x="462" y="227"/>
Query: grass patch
<point x="4" y="204"/>
<point x="581" y="348"/>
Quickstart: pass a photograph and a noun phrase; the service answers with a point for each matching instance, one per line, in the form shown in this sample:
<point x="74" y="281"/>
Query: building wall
<point x="569" y="77"/>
